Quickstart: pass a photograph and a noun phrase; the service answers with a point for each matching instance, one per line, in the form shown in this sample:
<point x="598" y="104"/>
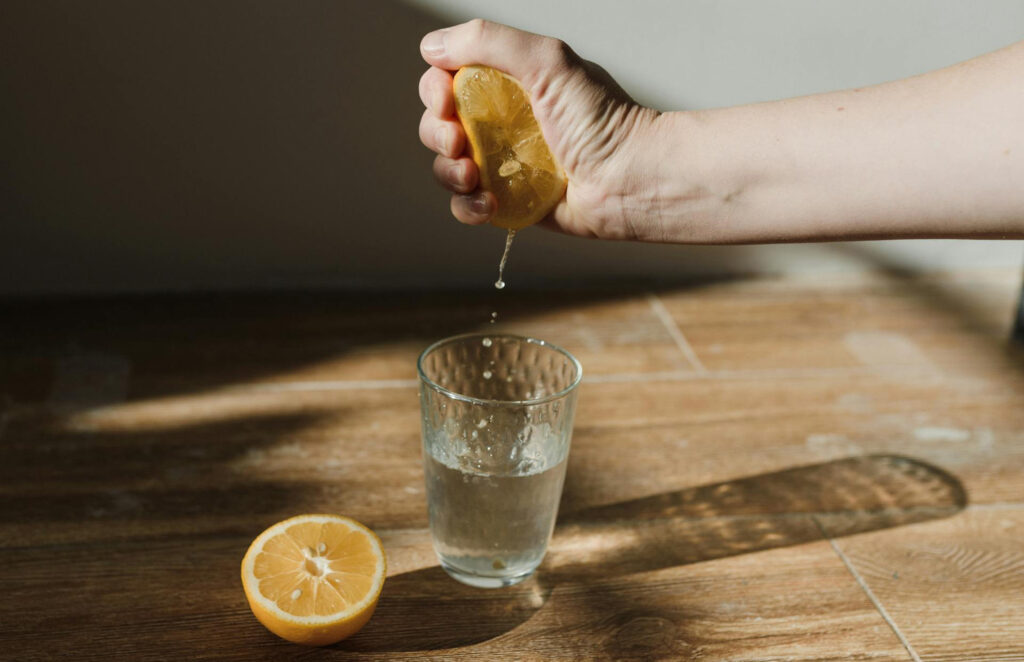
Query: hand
<point x="593" y="128"/>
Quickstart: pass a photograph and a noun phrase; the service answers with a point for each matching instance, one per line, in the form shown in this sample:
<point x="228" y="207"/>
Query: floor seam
<point x="1002" y="505"/>
<point x="676" y="333"/>
<point x="322" y="385"/>
<point x="629" y="377"/>
<point x="871" y="595"/>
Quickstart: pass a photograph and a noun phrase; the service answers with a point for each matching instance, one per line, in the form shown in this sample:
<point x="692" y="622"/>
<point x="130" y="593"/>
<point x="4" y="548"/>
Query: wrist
<point x="695" y="184"/>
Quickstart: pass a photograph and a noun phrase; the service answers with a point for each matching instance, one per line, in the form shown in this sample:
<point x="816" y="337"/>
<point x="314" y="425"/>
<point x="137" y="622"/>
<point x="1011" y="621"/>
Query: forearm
<point x="938" y="155"/>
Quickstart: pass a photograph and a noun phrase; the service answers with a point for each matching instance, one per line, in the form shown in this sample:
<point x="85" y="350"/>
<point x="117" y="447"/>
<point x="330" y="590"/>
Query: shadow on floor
<point x="426" y="610"/>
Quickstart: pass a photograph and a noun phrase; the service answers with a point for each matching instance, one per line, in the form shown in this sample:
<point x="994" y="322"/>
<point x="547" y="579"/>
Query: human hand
<point x="594" y="129"/>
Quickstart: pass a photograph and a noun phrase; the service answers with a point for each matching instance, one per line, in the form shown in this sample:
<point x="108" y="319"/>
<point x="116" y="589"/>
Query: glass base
<point x="484" y="581"/>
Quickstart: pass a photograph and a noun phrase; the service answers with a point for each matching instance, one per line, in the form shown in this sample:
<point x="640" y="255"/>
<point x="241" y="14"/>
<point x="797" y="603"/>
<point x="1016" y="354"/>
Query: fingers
<point x="436" y="92"/>
<point x="456" y="175"/>
<point x="441" y="132"/>
<point x="446" y="137"/>
<point x="524" y="55"/>
<point x="475" y="209"/>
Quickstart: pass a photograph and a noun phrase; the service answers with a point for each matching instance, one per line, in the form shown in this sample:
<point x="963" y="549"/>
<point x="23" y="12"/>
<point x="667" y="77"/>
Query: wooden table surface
<point x="775" y="469"/>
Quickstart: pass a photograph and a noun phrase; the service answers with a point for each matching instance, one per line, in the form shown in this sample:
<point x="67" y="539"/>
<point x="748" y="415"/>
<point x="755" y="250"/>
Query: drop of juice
<point x="486" y="342"/>
<point x="500" y="283"/>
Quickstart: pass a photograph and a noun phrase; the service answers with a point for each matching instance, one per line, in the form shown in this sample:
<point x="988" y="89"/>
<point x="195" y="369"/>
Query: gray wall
<point x="166" y="145"/>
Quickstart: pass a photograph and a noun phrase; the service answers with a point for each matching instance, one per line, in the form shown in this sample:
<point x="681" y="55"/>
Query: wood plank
<point x="826" y="322"/>
<point x="188" y="344"/>
<point x="181" y="597"/>
<point x="796" y="604"/>
<point x="663" y="435"/>
<point x="954" y="587"/>
<point x="695" y="510"/>
<point x="228" y="458"/>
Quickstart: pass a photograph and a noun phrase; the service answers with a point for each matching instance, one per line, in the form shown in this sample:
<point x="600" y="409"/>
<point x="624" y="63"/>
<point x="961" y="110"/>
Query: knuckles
<point x="477" y="29"/>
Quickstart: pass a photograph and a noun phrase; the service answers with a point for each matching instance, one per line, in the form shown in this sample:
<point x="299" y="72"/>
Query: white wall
<point x="250" y="143"/>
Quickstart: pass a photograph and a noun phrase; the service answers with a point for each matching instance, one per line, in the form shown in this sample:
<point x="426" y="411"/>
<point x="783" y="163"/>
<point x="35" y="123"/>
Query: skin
<point x="936" y="155"/>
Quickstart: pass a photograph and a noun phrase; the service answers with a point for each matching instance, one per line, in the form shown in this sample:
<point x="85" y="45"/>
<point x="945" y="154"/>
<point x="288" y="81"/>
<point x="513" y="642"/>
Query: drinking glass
<point x="497" y="414"/>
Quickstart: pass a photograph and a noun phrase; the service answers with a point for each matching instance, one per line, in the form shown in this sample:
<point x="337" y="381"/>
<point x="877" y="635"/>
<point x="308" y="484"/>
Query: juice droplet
<point x="500" y="283"/>
<point x="487" y="374"/>
<point x="486" y="342"/>
<point x="494" y="317"/>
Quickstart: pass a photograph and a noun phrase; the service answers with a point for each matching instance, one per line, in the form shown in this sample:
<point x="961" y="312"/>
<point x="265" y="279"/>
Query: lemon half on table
<point x="314" y="579"/>
<point x="507" y="146"/>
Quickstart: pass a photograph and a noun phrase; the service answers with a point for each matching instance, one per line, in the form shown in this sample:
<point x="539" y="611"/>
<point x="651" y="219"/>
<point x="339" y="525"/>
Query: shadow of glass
<point x="839" y="498"/>
<point x="426" y="610"/>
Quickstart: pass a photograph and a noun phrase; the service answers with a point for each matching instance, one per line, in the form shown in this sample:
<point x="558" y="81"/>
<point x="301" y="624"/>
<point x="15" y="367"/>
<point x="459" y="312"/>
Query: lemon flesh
<point x="508" y="147"/>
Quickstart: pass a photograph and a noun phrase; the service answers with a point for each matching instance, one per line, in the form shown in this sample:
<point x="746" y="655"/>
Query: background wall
<point x="166" y="145"/>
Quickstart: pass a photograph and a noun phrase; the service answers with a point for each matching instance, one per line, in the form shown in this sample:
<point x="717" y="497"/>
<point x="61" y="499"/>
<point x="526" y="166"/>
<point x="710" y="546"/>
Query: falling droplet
<point x="500" y="283"/>
<point x="487" y="374"/>
<point x="494" y="317"/>
<point x="486" y="342"/>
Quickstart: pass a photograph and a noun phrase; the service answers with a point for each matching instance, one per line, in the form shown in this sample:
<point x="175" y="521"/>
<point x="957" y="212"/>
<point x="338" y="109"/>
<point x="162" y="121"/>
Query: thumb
<point x="525" y="56"/>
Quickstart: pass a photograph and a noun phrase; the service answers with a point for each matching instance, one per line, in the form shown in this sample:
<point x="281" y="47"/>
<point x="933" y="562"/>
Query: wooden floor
<point x="778" y="469"/>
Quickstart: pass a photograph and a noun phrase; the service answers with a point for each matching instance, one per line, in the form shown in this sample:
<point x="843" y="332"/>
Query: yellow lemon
<point x="507" y="146"/>
<point x="314" y="579"/>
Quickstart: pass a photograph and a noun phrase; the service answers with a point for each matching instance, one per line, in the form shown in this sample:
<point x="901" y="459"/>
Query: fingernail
<point x="479" y="204"/>
<point x="433" y="43"/>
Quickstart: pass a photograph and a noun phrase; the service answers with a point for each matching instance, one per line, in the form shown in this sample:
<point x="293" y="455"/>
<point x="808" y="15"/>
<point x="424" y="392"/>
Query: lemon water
<point x="492" y="529"/>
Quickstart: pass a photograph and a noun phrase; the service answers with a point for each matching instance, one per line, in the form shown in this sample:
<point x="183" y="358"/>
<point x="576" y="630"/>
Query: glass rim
<point x="507" y="403"/>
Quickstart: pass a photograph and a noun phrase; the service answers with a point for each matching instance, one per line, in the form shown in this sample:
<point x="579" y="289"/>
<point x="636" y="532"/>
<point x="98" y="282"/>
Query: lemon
<point x="314" y="579"/>
<point x="507" y="146"/>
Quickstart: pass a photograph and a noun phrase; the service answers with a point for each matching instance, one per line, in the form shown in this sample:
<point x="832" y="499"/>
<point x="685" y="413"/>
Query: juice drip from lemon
<point x="500" y="283"/>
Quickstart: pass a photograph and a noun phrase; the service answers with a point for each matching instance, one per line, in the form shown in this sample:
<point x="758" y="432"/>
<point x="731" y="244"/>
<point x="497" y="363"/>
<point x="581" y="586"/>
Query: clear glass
<point x="497" y="414"/>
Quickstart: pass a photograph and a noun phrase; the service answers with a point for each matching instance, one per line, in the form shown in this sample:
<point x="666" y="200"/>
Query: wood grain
<point x="961" y="323"/>
<point x="955" y="587"/>
<point x="145" y="441"/>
